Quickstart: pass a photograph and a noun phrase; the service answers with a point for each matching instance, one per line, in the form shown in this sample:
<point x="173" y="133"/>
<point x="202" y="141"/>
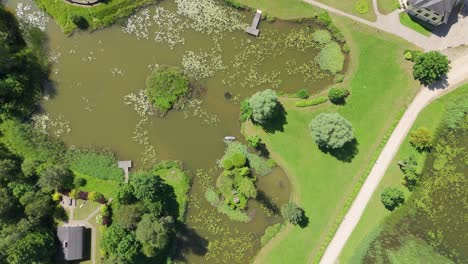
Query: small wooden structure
<point x="253" y="30"/>
<point x="125" y="165"/>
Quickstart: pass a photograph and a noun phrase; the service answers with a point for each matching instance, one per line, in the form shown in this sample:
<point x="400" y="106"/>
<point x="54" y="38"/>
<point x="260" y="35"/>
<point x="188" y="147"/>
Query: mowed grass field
<point x="381" y="87"/>
<point x="369" y="225"/>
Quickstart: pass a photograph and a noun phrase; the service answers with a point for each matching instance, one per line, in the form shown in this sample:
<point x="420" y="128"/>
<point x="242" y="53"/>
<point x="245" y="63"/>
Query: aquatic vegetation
<point x="46" y="124"/>
<point x="117" y="72"/>
<point x="88" y="105"/>
<point x="193" y="108"/>
<point x="98" y="164"/>
<point x="322" y="36"/>
<point x="28" y="17"/>
<point x="199" y="65"/>
<point x="140" y="103"/>
<point x="301" y="39"/>
<point x="331" y="58"/>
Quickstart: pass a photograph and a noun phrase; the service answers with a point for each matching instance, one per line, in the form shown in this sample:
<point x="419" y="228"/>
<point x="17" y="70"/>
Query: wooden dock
<point x="125" y="165"/>
<point x="253" y="29"/>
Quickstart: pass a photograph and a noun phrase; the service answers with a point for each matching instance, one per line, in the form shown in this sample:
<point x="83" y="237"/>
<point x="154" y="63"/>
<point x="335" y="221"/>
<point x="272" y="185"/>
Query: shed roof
<point x="71" y="241"/>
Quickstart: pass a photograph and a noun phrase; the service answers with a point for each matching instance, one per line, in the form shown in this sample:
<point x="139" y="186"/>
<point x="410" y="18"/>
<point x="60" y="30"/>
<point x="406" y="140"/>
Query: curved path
<point x="457" y="75"/>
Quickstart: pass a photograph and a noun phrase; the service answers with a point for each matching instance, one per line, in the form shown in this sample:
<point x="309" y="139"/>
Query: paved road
<point x="456" y="76"/>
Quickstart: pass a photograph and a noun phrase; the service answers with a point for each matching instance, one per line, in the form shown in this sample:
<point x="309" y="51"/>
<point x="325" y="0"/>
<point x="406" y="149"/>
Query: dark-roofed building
<point x="433" y="12"/>
<point x="71" y="241"/>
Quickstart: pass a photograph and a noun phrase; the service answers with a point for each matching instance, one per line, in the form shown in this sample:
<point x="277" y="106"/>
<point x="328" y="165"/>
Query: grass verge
<point x="407" y="21"/>
<point x="98" y="16"/>
<point x="388" y="6"/>
<point x="369" y="225"/>
<point x="325" y="185"/>
<point x="284" y="9"/>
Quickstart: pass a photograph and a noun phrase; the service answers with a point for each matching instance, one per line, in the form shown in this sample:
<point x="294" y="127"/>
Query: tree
<point x="8" y="170"/>
<point x="264" y="106"/>
<point x="151" y="190"/>
<point x="125" y="194"/>
<point x="331" y="131"/>
<point x="37" y="204"/>
<point x="254" y="141"/>
<point x="55" y="178"/>
<point x="421" y="139"/>
<point x="392" y="197"/>
<point x="337" y="95"/>
<point x="154" y="235"/>
<point x="238" y="160"/>
<point x="292" y="213"/>
<point x="6" y="203"/>
<point x="408" y="167"/>
<point x="120" y="243"/>
<point x="247" y="188"/>
<point x="430" y="67"/>
<point x="129" y="215"/>
<point x="33" y="248"/>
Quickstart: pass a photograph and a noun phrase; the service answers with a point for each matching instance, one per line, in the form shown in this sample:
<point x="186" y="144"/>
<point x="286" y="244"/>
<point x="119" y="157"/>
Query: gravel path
<point x="456" y="76"/>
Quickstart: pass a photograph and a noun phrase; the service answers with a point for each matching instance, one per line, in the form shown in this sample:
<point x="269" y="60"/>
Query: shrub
<point x="270" y="18"/>
<point x="337" y="95"/>
<point x="330" y="58"/>
<point x="212" y="197"/>
<point x="96" y="197"/>
<point x="324" y="18"/>
<point x="302" y="93"/>
<point x="264" y="106"/>
<point x="361" y="6"/>
<point x="322" y="36"/>
<point x="74" y="193"/>
<point x="338" y="78"/>
<point x="292" y="213"/>
<point x="246" y="110"/>
<point x="346" y="48"/>
<point x="408" y="56"/>
<point x="421" y="139"/>
<point x="408" y="167"/>
<point x="79" y="182"/>
<point x="392" y="197"/>
<point x="257" y="164"/>
<point x="227" y="164"/>
<point x="312" y="102"/>
<point x="430" y="67"/>
<point x="271" y="163"/>
<point x="56" y="197"/>
<point x="270" y="232"/>
<point x="80" y="22"/>
<point x="165" y="86"/>
<point x="254" y="141"/>
<point x="238" y="160"/>
<point x="331" y="131"/>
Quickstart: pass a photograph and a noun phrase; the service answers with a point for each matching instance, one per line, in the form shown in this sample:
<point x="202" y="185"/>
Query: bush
<point x="254" y="141"/>
<point x="324" y="18"/>
<point x="408" y="56"/>
<point x="302" y="93"/>
<point x="430" y="67"/>
<point x="322" y="36"/>
<point x="79" y="182"/>
<point x="80" y="22"/>
<point x="338" y="78"/>
<point x="96" y="197"/>
<point x="330" y="58"/>
<point x="392" y="197"/>
<point x="165" y="86"/>
<point x="312" y="102"/>
<point x="227" y="164"/>
<point x="74" y="193"/>
<point x="331" y="131"/>
<point x="292" y="213"/>
<point x="421" y="138"/>
<point x="98" y="164"/>
<point x="270" y="232"/>
<point x="337" y="95"/>
<point x="56" y="197"/>
<point x="346" y="48"/>
<point x="361" y="6"/>
<point x="257" y="164"/>
<point x="264" y="106"/>
<point x="271" y="163"/>
<point x="238" y="160"/>
<point x="246" y="110"/>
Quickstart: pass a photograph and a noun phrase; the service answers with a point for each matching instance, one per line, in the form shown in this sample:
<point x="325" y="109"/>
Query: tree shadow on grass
<point x="345" y="153"/>
<point x="189" y="241"/>
<point x="267" y="202"/>
<point x="277" y="122"/>
<point x="304" y="220"/>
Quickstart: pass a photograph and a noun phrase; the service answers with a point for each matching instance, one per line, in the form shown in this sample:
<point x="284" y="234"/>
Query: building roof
<point x="441" y="7"/>
<point x="71" y="241"/>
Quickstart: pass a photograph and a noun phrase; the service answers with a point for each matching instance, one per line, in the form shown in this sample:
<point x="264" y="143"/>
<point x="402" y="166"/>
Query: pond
<point x="95" y="99"/>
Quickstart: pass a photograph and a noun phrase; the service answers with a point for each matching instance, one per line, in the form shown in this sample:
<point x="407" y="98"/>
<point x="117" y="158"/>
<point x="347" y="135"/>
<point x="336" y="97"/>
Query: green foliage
<point x="246" y="110"/>
<point x="32" y="248"/>
<point x="456" y="110"/>
<point x="37" y="205"/>
<point x="6" y="203"/>
<point x="254" y="141"/>
<point x="270" y="232"/>
<point x="303" y="93"/>
<point x="258" y="164"/>
<point x="330" y="130"/>
<point x="165" y="86"/>
<point x="330" y="58"/>
<point x="346" y="48"/>
<point x="238" y="160"/>
<point x="408" y="167"/>
<point x="227" y="164"/>
<point x="154" y="234"/>
<point x="408" y="55"/>
<point x="325" y="18"/>
<point x="361" y="6"/>
<point x="430" y="67"/>
<point x="120" y="243"/>
<point x="125" y="194"/>
<point x="55" y="178"/>
<point x="79" y="21"/>
<point x="79" y="182"/>
<point x="98" y="164"/>
<point x="56" y="197"/>
<point x="247" y="188"/>
<point x="95" y="196"/>
<point x="338" y="78"/>
<point x="312" y="102"/>
<point x="421" y="139"/>
<point x="233" y="214"/>
<point x="148" y="188"/>
<point x="128" y="215"/>
<point x="337" y="95"/>
<point x="322" y="36"/>
<point x="235" y="4"/>
<point x="292" y="213"/>
<point x="392" y="197"/>
<point x="264" y="106"/>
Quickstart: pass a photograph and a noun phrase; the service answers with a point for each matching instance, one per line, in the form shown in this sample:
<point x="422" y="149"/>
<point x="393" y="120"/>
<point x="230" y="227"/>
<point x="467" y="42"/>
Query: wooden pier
<point x="253" y="29"/>
<point x="125" y="165"/>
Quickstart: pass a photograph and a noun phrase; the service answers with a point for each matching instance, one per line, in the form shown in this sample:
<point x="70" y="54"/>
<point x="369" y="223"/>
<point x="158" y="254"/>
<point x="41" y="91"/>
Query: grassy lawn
<point x="349" y="6"/>
<point x="369" y="225"/>
<point x="323" y="185"/>
<point x="80" y="213"/>
<point x="387" y="6"/>
<point x="99" y="232"/>
<point x="284" y="9"/>
<point x="98" y="16"/>
<point x="106" y="187"/>
<point x="407" y="21"/>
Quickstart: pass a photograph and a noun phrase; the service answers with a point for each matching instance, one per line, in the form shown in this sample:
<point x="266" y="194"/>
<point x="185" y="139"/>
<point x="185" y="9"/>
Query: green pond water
<point x="92" y="73"/>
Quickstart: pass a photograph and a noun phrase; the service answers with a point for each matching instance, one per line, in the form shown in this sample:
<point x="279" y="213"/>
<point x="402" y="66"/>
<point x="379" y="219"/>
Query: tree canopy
<point x="292" y="213"/>
<point x="153" y="234"/>
<point x="330" y="130"/>
<point x="264" y="106"/>
<point x="430" y="67"/>
<point x="392" y="197"/>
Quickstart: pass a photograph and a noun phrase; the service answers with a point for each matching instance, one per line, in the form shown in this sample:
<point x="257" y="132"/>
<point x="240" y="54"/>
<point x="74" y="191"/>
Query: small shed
<point x="71" y="242"/>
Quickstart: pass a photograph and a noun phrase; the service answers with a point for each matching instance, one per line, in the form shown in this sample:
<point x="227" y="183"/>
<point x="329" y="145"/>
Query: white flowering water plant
<point x="28" y="17"/>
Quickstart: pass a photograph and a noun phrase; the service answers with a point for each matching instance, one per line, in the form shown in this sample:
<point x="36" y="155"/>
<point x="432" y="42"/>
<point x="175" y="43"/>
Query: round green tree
<point x="421" y="138"/>
<point x="264" y="106"/>
<point x="392" y="197"/>
<point x="238" y="159"/>
<point x="337" y="95"/>
<point x="330" y="130"/>
<point x="165" y="86"/>
<point x="430" y="67"/>
<point x="292" y="213"/>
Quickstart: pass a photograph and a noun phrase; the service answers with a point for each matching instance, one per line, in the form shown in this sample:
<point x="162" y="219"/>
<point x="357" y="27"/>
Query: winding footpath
<point x="458" y="35"/>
